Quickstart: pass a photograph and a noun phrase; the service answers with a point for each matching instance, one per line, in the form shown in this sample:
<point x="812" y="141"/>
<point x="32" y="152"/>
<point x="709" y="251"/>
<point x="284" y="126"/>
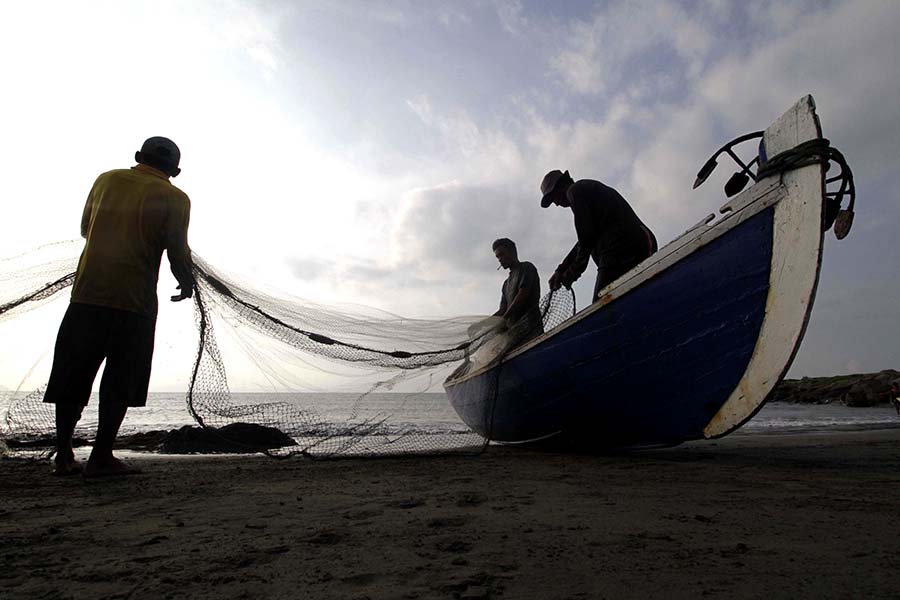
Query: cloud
<point x="452" y="16"/>
<point x="664" y="167"/>
<point x="314" y="269"/>
<point x="309" y="268"/>
<point x="589" y="149"/>
<point x="665" y="87"/>
<point x="674" y="88"/>
<point x="451" y="226"/>
<point x="851" y="330"/>
<point x="438" y="258"/>
<point x="395" y="14"/>
<point x="476" y="153"/>
<point x="512" y="16"/>
<point x="601" y="54"/>
<point x="249" y="29"/>
<point x="839" y="57"/>
<point x="421" y="107"/>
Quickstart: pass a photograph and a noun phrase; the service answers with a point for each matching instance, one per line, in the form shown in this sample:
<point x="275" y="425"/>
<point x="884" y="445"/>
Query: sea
<point x="431" y="413"/>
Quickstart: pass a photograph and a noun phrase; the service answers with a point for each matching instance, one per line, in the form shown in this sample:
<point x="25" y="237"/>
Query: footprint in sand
<point x="470" y="499"/>
<point x="407" y="503"/>
<point x="362" y="515"/>
<point x="324" y="538"/>
<point x="454" y="546"/>
<point x="441" y="522"/>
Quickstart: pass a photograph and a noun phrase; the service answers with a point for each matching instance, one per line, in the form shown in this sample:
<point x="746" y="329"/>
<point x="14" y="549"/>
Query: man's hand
<point x="555" y="282"/>
<point x="559" y="280"/>
<point x="185" y="293"/>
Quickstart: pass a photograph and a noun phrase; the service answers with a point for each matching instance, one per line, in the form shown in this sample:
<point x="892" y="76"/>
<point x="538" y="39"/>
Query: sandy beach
<point x="813" y="515"/>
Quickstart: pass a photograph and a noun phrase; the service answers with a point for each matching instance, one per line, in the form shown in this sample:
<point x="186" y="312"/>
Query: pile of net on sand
<point x="370" y="380"/>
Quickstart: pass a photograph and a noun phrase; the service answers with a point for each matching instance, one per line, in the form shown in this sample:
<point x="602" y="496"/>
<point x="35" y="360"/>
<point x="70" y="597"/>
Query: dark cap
<point x="549" y="184"/>
<point x="160" y="152"/>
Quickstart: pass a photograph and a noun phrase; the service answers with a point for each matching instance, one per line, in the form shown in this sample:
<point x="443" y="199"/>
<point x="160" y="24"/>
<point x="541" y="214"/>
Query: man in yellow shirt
<point x="130" y="217"/>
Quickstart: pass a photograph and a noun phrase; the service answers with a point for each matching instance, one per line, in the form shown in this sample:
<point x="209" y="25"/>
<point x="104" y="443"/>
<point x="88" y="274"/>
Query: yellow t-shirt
<point x="130" y="217"/>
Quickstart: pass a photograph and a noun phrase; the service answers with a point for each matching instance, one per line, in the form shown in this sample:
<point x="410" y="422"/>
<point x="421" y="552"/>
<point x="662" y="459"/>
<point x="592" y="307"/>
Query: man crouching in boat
<point x="608" y="230"/>
<point x="520" y="294"/>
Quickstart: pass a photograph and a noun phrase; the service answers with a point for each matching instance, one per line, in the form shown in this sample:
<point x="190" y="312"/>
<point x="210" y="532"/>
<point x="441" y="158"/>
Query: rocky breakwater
<point x="863" y="389"/>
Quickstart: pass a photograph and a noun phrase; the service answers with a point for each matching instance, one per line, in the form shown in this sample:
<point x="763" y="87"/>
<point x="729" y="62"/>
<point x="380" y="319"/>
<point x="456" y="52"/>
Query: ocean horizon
<point x="432" y="413"/>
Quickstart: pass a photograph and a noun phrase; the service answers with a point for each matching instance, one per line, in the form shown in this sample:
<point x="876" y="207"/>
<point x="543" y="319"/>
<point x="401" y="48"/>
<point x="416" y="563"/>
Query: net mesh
<point x="394" y="366"/>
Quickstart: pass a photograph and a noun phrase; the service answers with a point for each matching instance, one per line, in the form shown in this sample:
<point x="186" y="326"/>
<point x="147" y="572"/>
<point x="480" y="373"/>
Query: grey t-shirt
<point x="523" y="276"/>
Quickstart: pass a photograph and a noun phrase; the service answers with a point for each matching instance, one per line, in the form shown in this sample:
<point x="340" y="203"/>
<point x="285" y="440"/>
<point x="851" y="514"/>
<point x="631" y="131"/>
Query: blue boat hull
<point x="652" y="367"/>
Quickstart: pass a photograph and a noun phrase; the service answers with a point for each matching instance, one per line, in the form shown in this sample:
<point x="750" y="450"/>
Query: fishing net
<point x="339" y="380"/>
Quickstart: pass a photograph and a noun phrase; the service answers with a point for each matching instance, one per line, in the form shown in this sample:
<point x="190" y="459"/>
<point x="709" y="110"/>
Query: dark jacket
<point x="608" y="231"/>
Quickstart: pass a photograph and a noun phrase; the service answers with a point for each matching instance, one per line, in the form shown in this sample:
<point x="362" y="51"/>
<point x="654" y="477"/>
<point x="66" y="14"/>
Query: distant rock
<point x="234" y="438"/>
<point x="864" y="389"/>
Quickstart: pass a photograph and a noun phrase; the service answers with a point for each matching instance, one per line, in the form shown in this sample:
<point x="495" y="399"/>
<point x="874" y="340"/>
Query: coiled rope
<point x="819" y="151"/>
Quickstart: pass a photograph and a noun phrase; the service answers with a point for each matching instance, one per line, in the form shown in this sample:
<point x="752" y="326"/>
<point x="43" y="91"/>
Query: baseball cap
<point x="163" y="150"/>
<point x="548" y="184"/>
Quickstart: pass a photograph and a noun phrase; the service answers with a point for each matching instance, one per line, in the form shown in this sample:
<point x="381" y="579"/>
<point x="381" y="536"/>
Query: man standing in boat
<point x="131" y="216"/>
<point x="520" y="294"/>
<point x="608" y="230"/>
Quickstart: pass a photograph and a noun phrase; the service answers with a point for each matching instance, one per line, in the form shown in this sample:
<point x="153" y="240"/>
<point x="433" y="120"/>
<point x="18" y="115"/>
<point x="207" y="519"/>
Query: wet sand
<point x="813" y="515"/>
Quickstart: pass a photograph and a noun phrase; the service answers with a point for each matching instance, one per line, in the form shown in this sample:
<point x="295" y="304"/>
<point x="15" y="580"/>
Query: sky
<point x="370" y="152"/>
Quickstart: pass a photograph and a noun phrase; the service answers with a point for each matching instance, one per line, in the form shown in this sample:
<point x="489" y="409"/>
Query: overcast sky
<point x="370" y="151"/>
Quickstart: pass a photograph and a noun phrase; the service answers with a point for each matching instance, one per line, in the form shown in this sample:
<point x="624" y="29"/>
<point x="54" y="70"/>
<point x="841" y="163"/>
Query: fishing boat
<point x="692" y="341"/>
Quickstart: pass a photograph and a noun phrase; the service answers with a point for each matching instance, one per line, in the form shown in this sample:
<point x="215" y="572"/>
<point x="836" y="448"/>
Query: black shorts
<point x="89" y="334"/>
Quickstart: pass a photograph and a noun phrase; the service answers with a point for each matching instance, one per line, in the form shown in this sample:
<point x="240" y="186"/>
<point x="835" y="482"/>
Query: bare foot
<point x="66" y="466"/>
<point x="112" y="467"/>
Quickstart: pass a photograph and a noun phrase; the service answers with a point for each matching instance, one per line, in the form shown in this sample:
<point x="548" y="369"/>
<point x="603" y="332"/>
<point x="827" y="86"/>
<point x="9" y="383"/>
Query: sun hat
<point x="548" y="184"/>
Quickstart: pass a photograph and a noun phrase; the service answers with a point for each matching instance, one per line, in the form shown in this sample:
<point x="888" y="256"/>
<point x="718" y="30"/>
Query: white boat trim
<point x="796" y="255"/>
